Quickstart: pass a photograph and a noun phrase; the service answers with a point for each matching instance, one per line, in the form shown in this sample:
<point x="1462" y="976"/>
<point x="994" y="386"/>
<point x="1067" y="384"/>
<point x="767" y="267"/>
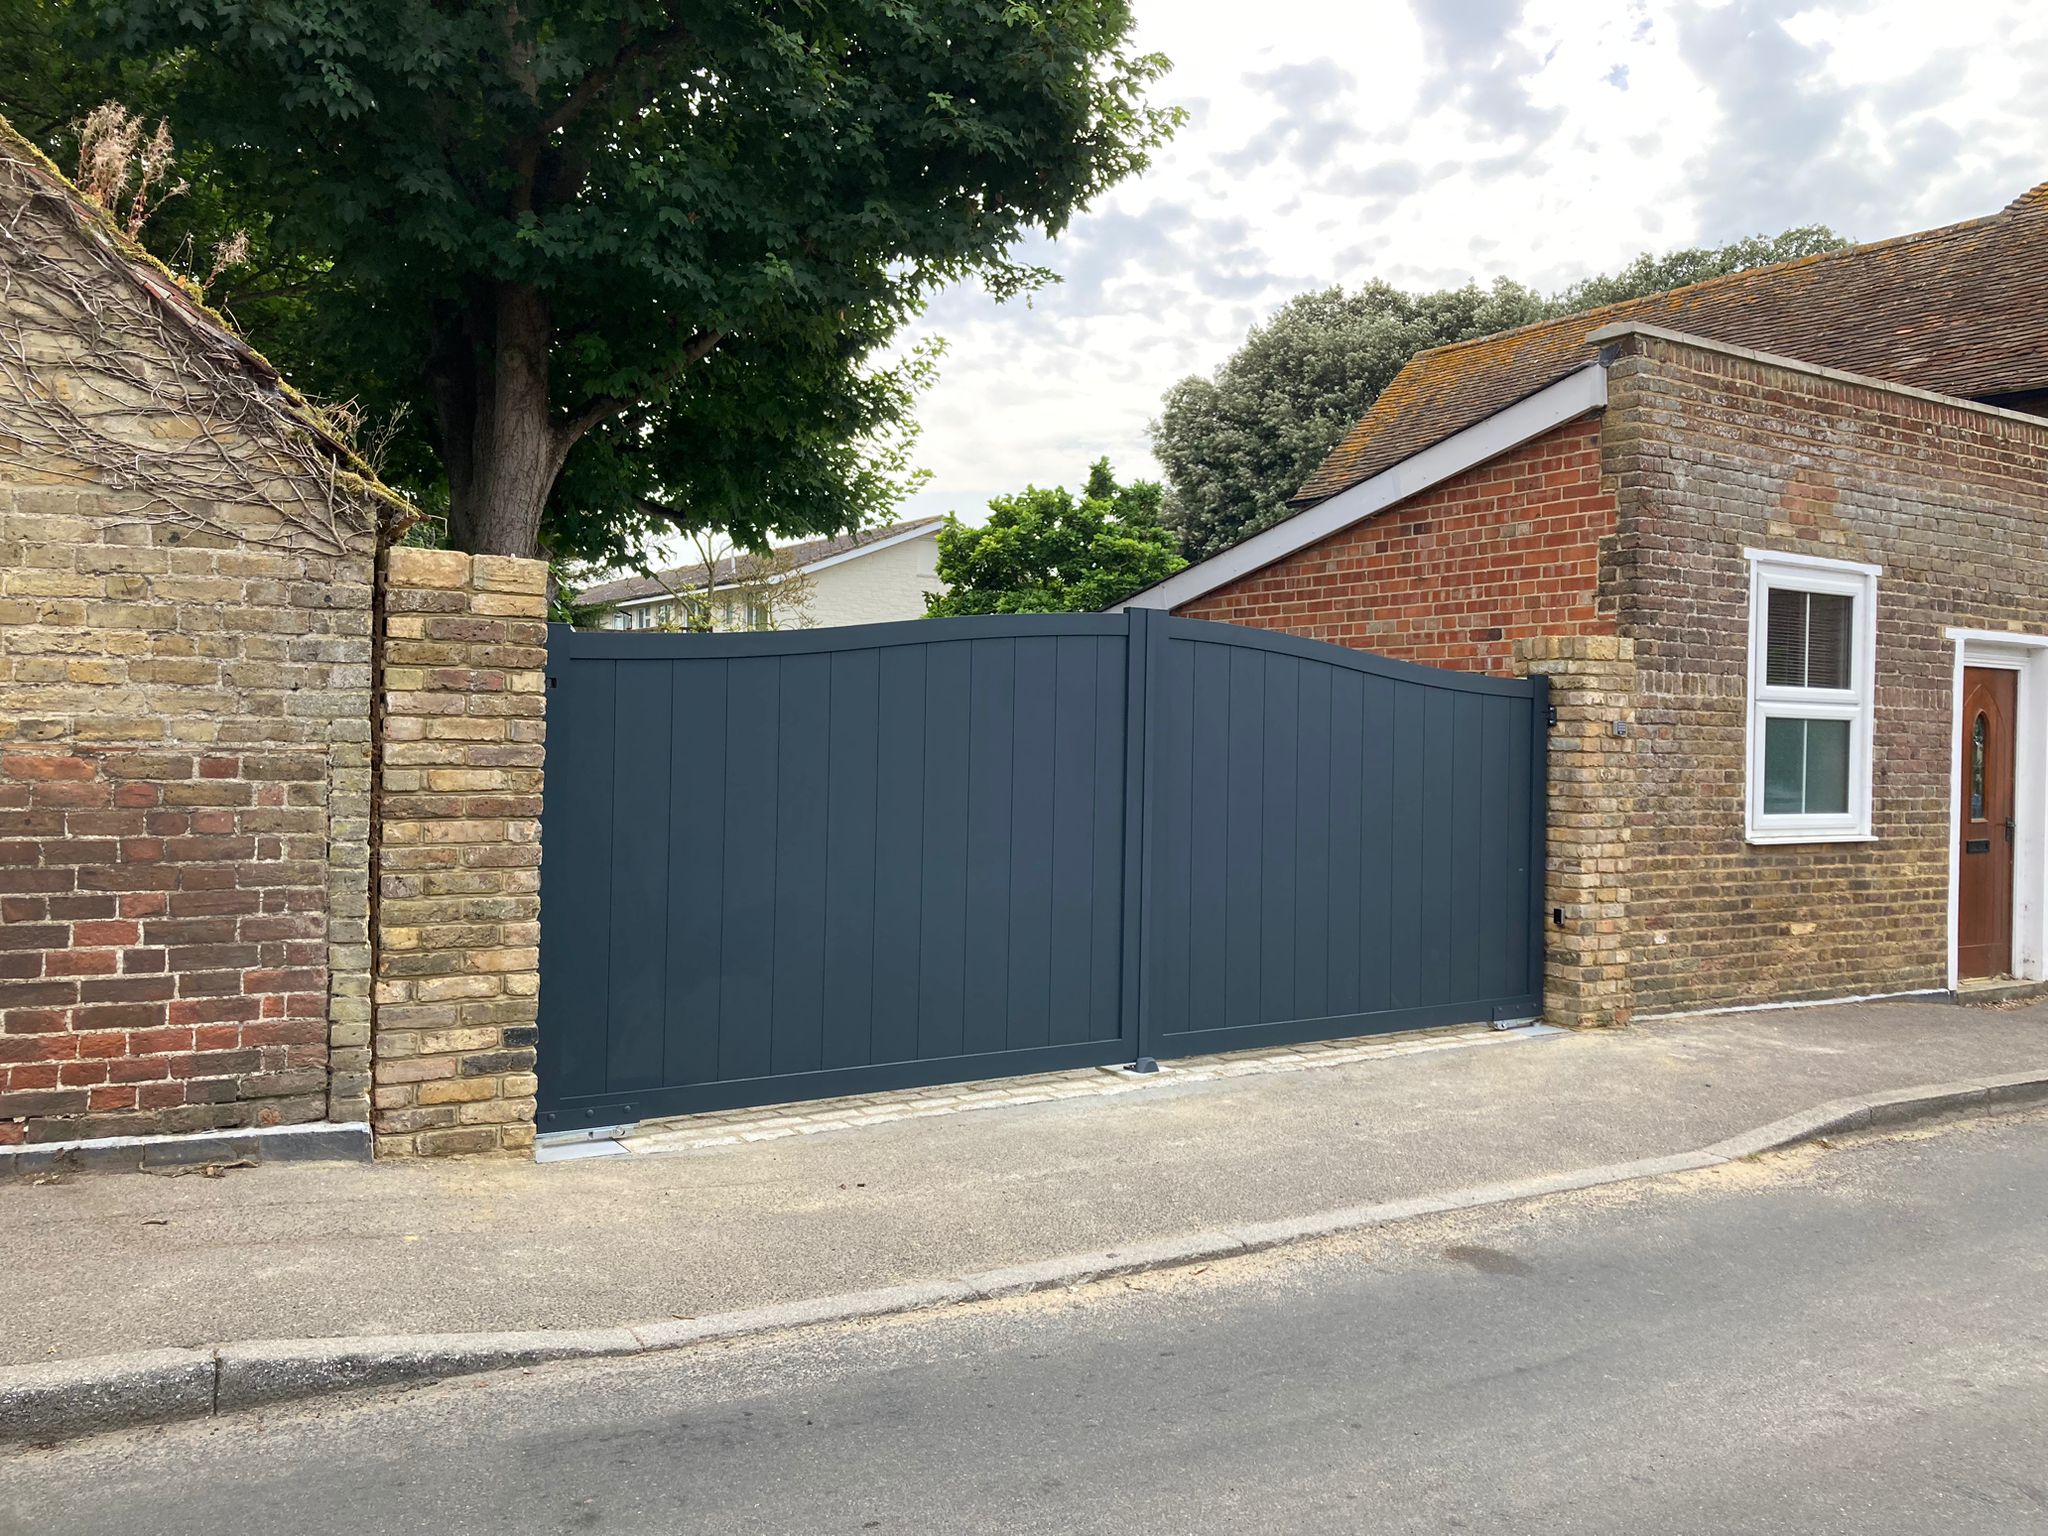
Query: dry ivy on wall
<point x="111" y="376"/>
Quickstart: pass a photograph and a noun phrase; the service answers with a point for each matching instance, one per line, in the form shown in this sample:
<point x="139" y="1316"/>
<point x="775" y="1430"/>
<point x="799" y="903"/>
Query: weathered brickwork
<point x="1587" y="979"/>
<point x="1714" y="453"/>
<point x="1507" y="551"/>
<point x="184" y="723"/>
<point x="464" y="648"/>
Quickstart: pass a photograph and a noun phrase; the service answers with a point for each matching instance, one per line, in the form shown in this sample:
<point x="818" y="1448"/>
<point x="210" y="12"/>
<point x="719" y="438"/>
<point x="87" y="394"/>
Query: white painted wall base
<point x="322" y="1141"/>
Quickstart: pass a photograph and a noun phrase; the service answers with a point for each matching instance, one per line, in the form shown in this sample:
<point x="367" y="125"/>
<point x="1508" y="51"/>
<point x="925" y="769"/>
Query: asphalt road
<point x="1843" y="1340"/>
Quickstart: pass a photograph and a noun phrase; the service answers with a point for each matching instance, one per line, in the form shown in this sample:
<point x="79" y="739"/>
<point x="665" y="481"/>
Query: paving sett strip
<point x="63" y="1400"/>
<point x="724" y="1128"/>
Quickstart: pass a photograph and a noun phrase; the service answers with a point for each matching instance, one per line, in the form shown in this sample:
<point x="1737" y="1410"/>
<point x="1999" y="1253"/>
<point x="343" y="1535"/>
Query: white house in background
<point x="870" y="576"/>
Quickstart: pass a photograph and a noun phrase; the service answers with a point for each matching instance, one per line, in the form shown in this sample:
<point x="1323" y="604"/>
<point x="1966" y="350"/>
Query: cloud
<point x="1312" y="116"/>
<point x="1780" y="155"/>
<point x="1796" y="143"/>
<point x="1479" y="68"/>
<point x="1388" y="178"/>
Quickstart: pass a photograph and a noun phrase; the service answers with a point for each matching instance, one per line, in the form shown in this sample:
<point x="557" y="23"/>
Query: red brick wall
<point x="1508" y="550"/>
<point x="163" y="940"/>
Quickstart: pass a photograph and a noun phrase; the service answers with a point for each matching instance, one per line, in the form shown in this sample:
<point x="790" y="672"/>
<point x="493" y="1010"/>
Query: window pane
<point x="1827" y="767"/>
<point x="1785" y="638"/>
<point x="1806" y="767"/>
<point x="1830" y="621"/>
<point x="1784" y="767"/>
<point x="1809" y="638"/>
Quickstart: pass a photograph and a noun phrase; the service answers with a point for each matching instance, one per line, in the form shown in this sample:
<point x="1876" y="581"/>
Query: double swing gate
<point x="805" y="864"/>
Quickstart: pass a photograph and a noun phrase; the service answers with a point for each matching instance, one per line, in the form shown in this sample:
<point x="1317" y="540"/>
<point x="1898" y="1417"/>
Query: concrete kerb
<point x="65" y="1399"/>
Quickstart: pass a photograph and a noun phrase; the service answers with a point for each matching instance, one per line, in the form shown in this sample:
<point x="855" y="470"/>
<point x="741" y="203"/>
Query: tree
<point x="733" y="588"/>
<point x="1045" y="552"/>
<point x="634" y="261"/>
<point x="1236" y="445"/>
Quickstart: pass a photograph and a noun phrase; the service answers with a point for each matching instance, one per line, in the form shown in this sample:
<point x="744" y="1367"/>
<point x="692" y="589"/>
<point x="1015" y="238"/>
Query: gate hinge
<point x="1552" y="712"/>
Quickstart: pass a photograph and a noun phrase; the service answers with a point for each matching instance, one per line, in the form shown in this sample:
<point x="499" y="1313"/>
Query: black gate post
<point x="1539" y="836"/>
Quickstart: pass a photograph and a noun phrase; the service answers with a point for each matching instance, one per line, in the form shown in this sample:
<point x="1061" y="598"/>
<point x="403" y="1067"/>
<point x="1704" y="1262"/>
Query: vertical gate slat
<point x="575" y="873"/>
<point x="1468" y="817"/>
<point x="747" y="877"/>
<point x="1209" y="881"/>
<point x="1027" y="1001"/>
<point x="991" y="757"/>
<point x="641" y="804"/>
<point x="1311" y="959"/>
<point x="1347" y="835"/>
<point x="1281" y="775"/>
<point x="1384" y="890"/>
<point x="942" y="943"/>
<point x="1439" y="865"/>
<point x="1407" y="871"/>
<point x="1244" y="897"/>
<point x="1107" y="895"/>
<point x="1072" y="934"/>
<point x="803" y="774"/>
<point x="697" y="832"/>
<point x="899" y="843"/>
<point x="851" y="844"/>
<point x="1171" y="698"/>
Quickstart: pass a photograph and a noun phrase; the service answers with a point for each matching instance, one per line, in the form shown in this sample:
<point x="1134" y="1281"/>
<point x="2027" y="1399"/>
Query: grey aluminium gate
<point x="822" y="862"/>
<point x="1336" y="843"/>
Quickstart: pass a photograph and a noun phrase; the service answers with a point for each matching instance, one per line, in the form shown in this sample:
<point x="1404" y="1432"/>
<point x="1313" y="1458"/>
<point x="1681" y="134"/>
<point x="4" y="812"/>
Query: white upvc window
<point x="1812" y="698"/>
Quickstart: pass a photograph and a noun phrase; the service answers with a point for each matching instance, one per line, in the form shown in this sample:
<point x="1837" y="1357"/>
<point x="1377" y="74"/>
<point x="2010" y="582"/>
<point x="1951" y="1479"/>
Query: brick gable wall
<point x="1713" y="453"/>
<point x="1506" y="551"/>
<point x="184" y="736"/>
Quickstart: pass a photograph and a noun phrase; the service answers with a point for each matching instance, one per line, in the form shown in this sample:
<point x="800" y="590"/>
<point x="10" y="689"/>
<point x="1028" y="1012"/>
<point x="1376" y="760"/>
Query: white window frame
<point x="1768" y="570"/>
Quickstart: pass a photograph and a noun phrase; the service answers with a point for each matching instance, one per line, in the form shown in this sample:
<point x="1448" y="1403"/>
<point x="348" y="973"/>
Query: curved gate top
<point x="797" y="865"/>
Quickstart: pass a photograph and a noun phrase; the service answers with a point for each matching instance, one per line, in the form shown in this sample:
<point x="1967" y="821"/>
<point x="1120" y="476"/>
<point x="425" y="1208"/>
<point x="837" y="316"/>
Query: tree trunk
<point x="515" y="450"/>
<point x="452" y="383"/>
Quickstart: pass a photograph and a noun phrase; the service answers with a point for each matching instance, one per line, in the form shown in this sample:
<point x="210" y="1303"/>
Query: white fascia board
<point x="1569" y="398"/>
<point x="816" y="565"/>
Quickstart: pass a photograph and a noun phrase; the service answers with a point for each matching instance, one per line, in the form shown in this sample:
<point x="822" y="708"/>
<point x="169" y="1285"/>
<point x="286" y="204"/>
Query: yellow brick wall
<point x="463" y="651"/>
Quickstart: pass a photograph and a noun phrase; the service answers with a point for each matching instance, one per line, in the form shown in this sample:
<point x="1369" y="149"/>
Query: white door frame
<point x="2028" y="656"/>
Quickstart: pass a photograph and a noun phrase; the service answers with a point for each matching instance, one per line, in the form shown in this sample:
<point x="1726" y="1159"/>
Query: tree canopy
<point x="1046" y="551"/>
<point x="1237" y="444"/>
<point x="630" y="264"/>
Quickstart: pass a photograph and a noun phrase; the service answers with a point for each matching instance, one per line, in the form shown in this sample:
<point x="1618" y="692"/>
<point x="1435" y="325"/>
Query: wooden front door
<point x="1984" y="893"/>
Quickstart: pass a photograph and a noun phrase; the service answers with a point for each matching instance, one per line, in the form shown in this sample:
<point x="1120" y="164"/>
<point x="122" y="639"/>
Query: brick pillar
<point x="461" y="705"/>
<point x="1586" y="979"/>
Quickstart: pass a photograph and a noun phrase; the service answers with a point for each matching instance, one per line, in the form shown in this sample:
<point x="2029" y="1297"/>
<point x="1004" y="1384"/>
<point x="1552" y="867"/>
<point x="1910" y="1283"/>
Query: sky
<point x="1429" y="142"/>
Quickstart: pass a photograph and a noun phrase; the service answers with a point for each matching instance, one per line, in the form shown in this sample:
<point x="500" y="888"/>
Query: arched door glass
<point x="1977" y="734"/>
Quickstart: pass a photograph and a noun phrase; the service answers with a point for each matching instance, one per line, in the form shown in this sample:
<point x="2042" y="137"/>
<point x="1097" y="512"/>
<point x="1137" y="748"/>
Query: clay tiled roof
<point x="787" y="557"/>
<point x="1961" y="310"/>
